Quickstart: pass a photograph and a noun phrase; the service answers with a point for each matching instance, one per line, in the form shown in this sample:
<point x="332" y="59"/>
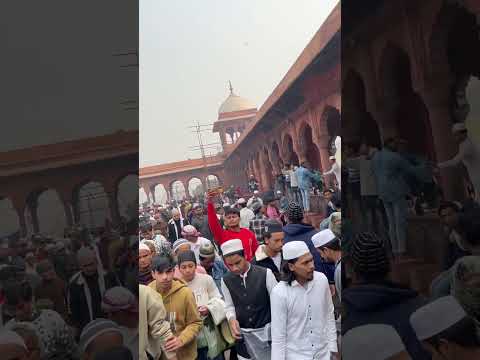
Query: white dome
<point x="235" y="103"/>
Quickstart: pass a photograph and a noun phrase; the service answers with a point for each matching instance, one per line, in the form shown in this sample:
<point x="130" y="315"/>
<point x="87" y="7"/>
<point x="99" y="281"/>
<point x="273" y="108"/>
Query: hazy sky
<point x="190" y="49"/>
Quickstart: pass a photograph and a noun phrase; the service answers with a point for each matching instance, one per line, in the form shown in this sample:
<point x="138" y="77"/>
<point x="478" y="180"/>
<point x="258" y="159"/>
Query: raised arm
<point x="214" y="223"/>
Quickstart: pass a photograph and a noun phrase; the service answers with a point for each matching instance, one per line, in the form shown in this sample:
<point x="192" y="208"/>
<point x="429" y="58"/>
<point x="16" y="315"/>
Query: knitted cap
<point x="95" y="328"/>
<point x="369" y="255"/>
<point x="119" y="298"/>
<point x="207" y="250"/>
<point x="294" y="212"/>
<point x="179" y="243"/>
<point x="186" y="256"/>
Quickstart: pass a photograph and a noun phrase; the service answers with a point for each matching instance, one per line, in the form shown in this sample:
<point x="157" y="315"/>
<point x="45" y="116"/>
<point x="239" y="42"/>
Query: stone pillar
<point x="33" y="206"/>
<point x="152" y="193"/>
<point x="437" y="103"/>
<point x="299" y="148"/>
<point x="113" y="205"/>
<point x="67" y="207"/>
<point x="22" y="222"/>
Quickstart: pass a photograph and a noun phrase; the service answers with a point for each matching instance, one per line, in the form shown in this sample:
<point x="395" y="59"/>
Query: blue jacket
<point x="304" y="232"/>
<point x="387" y="304"/>
<point x="391" y="172"/>
<point x="218" y="271"/>
<point x="304" y="178"/>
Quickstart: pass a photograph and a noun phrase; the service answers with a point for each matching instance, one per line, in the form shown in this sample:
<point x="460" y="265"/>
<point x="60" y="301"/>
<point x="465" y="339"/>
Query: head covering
<point x="143" y="246"/>
<point x="186" y="256"/>
<point x="273" y="226"/>
<point x="179" y="243"/>
<point x="436" y="317"/>
<point x="465" y="287"/>
<point x="336" y="228"/>
<point x="190" y="230"/>
<point x="371" y="342"/>
<point x="279" y="192"/>
<point x="231" y="246"/>
<point x="95" y="328"/>
<point x="294" y="212"/>
<point x="44" y="266"/>
<point x="458" y="127"/>
<point x="207" y="250"/>
<point x="196" y="206"/>
<point x="294" y="249"/>
<point x="323" y="237"/>
<point x="332" y="157"/>
<point x="161" y="263"/>
<point x="8" y="337"/>
<point x="368" y="254"/>
<point x="256" y="192"/>
<point x="119" y="298"/>
<point x="256" y="207"/>
<point x="241" y="201"/>
<point x="85" y="254"/>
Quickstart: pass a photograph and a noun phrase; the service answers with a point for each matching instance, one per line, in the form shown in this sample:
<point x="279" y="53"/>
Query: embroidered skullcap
<point x="371" y="342"/>
<point x="294" y="249"/>
<point x="207" y="250"/>
<point x="294" y="212"/>
<point x="8" y="337"/>
<point x="231" y="246"/>
<point x="436" y="317"/>
<point x="241" y="201"/>
<point x="190" y="230"/>
<point x="96" y="328"/>
<point x="368" y="254"/>
<point x="179" y="243"/>
<point x="273" y="226"/>
<point x="323" y="237"/>
<point x="119" y="298"/>
<point x="186" y="256"/>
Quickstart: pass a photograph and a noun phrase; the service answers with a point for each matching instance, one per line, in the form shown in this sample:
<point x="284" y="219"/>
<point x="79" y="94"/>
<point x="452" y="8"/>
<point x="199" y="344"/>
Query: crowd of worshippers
<point x="237" y="291"/>
<point x="70" y="297"/>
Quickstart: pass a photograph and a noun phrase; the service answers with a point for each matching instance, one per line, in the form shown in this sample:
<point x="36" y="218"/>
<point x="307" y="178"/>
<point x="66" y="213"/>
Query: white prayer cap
<point x="371" y="342"/>
<point x="457" y="127"/>
<point x="143" y="246"/>
<point x="436" y="317"/>
<point x="332" y="158"/>
<point x="231" y="246"/>
<point x="241" y="201"/>
<point x="256" y="192"/>
<point x="323" y="237"/>
<point x="294" y="249"/>
<point x="8" y="337"/>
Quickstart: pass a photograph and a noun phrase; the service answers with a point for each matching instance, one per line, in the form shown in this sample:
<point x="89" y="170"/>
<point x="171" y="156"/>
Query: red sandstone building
<point x="297" y="122"/>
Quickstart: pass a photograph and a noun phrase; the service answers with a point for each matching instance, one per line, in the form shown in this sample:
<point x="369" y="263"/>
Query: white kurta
<point x="303" y="320"/>
<point x="469" y="155"/>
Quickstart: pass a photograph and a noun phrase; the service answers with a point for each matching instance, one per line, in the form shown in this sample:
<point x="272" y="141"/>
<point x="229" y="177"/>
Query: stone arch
<point x="160" y="193"/>
<point x="46" y="211"/>
<point x="142" y="196"/>
<point x="178" y="190"/>
<point x="312" y="151"/>
<point x="9" y="219"/>
<point x="331" y="119"/>
<point x="357" y="120"/>
<point x="275" y="154"/>
<point x="195" y="186"/>
<point x="406" y="109"/>
<point x="126" y="196"/>
<point x="91" y="204"/>
<point x="289" y="150"/>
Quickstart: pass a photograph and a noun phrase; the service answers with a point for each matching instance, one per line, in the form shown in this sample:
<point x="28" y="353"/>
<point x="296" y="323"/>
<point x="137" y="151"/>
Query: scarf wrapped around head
<point x="336" y="228"/>
<point x="466" y="285"/>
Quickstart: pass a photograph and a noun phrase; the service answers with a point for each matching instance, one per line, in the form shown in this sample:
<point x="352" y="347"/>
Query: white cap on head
<point x="437" y="316"/>
<point x="332" y="158"/>
<point x="8" y="337"/>
<point x="231" y="246"/>
<point x="294" y="249"/>
<point x="143" y="246"/>
<point x="457" y="127"/>
<point x="279" y="192"/>
<point x="323" y="237"/>
<point x="241" y="201"/>
<point x="371" y="342"/>
<point x="256" y="192"/>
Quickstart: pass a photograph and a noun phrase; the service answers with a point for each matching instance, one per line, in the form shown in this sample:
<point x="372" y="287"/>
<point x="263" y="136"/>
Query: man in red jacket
<point x="233" y="230"/>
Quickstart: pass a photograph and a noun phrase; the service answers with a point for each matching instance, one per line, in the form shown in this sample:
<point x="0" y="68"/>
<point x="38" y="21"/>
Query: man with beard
<point x="144" y="264"/>
<point x="303" y="327"/>
<point x="87" y="287"/>
<point x="246" y="289"/>
<point x="175" y="226"/>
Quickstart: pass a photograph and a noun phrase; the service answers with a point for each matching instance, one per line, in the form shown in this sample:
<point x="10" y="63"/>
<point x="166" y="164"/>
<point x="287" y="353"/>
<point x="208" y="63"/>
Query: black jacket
<point x="77" y="301"/>
<point x="385" y="303"/>
<point x="172" y="235"/>
<point x="263" y="260"/>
